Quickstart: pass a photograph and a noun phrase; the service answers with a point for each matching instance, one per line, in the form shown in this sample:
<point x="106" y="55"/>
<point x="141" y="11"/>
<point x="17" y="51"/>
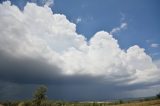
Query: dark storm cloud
<point x="20" y="76"/>
<point x="71" y="92"/>
<point x="37" y="71"/>
<point x="25" y="70"/>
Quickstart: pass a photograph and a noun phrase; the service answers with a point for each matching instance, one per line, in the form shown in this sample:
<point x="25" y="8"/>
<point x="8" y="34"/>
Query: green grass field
<point x="144" y="103"/>
<point x="60" y="103"/>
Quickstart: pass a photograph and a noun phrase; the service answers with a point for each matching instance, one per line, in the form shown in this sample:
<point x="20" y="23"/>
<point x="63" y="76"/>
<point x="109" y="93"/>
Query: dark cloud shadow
<point x="25" y="74"/>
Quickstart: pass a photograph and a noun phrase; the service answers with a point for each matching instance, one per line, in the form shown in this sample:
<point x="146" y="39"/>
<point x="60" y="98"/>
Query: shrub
<point x="39" y="95"/>
<point x="158" y="96"/>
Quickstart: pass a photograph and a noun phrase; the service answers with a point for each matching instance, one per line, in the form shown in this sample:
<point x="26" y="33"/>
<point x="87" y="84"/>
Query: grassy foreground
<point x="60" y="103"/>
<point x="143" y="103"/>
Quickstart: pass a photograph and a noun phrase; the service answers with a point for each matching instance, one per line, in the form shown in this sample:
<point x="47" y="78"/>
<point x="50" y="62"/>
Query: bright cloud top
<point x="38" y="33"/>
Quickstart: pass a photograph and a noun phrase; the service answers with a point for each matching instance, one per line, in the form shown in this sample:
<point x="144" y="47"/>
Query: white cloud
<point x="37" y="32"/>
<point x="155" y="45"/>
<point x="118" y="29"/>
<point x="78" y="20"/>
<point x="49" y="2"/>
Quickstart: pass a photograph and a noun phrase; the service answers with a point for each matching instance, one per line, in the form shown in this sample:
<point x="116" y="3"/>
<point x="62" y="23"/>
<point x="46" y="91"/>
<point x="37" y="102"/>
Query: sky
<point x="81" y="50"/>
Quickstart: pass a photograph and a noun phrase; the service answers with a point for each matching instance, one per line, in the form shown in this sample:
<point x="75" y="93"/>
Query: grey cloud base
<point x="36" y="71"/>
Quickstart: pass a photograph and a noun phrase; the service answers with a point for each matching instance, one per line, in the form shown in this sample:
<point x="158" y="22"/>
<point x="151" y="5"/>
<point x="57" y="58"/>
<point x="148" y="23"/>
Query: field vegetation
<point x="40" y="99"/>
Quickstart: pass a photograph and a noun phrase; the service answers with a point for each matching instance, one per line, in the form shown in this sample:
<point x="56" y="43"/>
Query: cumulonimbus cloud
<point x="38" y="33"/>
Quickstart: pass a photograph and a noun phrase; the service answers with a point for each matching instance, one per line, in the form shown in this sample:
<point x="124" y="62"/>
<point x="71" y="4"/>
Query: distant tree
<point x="40" y="95"/>
<point x="120" y="101"/>
<point x="158" y="95"/>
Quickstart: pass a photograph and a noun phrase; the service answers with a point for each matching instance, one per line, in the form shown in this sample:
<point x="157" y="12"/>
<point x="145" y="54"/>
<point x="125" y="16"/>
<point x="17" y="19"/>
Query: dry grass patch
<point x="144" y="103"/>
